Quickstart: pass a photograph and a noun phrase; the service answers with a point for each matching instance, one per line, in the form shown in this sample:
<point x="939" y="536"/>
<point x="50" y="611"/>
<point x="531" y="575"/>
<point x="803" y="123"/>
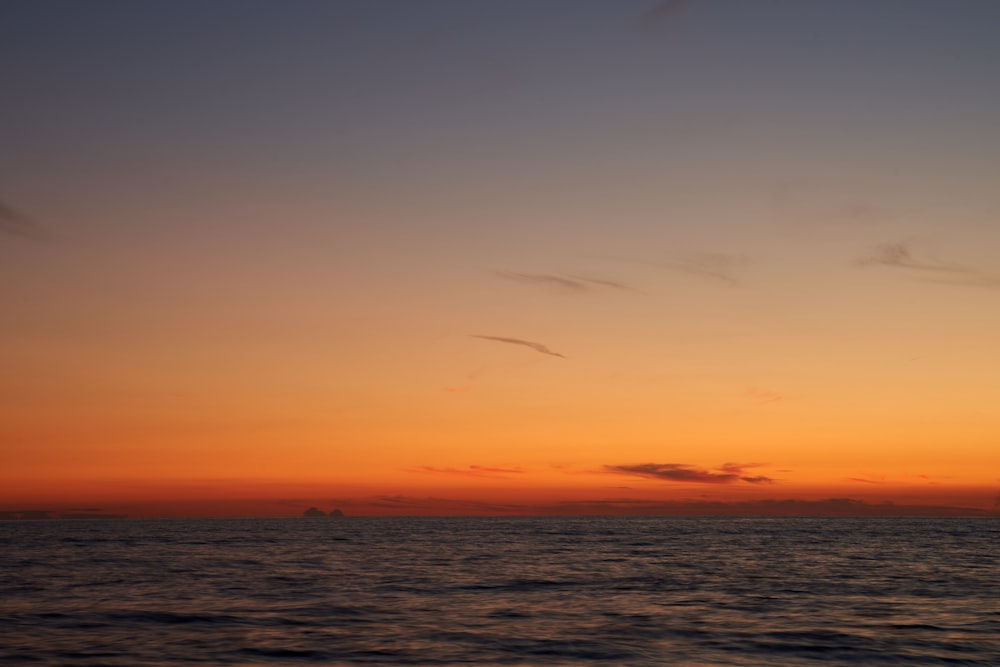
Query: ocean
<point x="501" y="591"/>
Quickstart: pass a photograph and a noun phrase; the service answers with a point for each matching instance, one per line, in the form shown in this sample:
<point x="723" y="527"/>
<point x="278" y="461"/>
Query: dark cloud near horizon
<point x="900" y="256"/>
<point x="680" y="472"/>
<point x="766" y="507"/>
<point x="17" y="224"/>
<point x="623" y="506"/>
<point x="538" y="347"/>
<point x="409" y="504"/>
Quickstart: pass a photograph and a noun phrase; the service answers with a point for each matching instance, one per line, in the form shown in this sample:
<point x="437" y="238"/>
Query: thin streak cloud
<point x="603" y="282"/>
<point x="546" y="280"/>
<point x="16" y="224"/>
<point x="538" y="347"/>
<point x="471" y="471"/>
<point x="727" y="473"/>
<point x="900" y="256"/>
<point x="717" y="267"/>
<point x="564" y="283"/>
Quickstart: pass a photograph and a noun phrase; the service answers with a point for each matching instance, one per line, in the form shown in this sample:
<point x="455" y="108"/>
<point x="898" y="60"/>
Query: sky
<point x="498" y="256"/>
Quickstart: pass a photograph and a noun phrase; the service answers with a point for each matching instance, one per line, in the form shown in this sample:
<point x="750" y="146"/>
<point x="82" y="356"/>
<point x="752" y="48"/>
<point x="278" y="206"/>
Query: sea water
<point x="501" y="591"/>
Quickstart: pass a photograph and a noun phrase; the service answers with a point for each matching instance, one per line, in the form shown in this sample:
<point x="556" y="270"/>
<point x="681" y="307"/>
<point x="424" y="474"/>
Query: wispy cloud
<point x="604" y="282"/>
<point x="17" y="224"/>
<point x="565" y="283"/>
<point x="546" y="280"/>
<point x="472" y="471"/>
<point x="717" y="267"/>
<point x="727" y="473"/>
<point x="762" y="396"/>
<point x="900" y="256"/>
<point x="538" y="347"/>
<point x="714" y="266"/>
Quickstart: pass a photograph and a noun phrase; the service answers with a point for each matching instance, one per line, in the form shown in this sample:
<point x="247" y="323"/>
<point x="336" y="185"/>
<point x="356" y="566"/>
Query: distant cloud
<point x="399" y="505"/>
<point x="565" y="283"/>
<point x="907" y="478"/>
<point x="408" y="505"/>
<point x="727" y="473"/>
<point x="770" y="507"/>
<point x="602" y="282"/>
<point x="763" y="395"/>
<point x="472" y="471"/>
<point x="16" y="224"/>
<point x="717" y="267"/>
<point x="546" y="280"/>
<point x="900" y="256"/>
<point x="714" y="266"/>
<point x="538" y="347"/>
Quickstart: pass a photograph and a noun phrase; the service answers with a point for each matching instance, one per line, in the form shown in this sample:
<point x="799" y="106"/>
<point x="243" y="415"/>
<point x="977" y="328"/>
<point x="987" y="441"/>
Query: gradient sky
<point x="502" y="255"/>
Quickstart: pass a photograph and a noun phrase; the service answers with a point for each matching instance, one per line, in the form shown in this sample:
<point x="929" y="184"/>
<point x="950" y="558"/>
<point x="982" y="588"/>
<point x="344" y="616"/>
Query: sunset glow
<point x="502" y="257"/>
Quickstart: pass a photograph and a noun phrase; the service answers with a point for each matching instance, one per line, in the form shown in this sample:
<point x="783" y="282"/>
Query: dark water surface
<point x="501" y="591"/>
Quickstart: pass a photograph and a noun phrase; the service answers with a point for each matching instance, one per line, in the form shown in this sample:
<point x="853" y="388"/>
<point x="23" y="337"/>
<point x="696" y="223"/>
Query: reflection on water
<point x="511" y="591"/>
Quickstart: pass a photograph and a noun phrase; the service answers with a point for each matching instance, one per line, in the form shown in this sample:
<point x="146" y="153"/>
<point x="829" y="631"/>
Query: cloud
<point x="714" y="266"/>
<point x="399" y="505"/>
<point x="565" y="283"/>
<point x="538" y="347"/>
<point x="409" y="506"/>
<point x="471" y="471"/>
<point x="907" y="478"/>
<point x="763" y="395"/>
<point x="727" y="473"/>
<point x="16" y="224"/>
<point x="769" y="507"/>
<point x="603" y="282"/>
<point x="546" y="280"/>
<point x="900" y="256"/>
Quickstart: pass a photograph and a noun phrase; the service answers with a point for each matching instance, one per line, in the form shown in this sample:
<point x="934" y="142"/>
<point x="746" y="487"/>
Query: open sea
<point x="501" y="591"/>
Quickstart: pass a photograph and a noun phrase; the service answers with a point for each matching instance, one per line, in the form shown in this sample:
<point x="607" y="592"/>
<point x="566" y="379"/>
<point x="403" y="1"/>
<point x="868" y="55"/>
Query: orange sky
<point x="410" y="268"/>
